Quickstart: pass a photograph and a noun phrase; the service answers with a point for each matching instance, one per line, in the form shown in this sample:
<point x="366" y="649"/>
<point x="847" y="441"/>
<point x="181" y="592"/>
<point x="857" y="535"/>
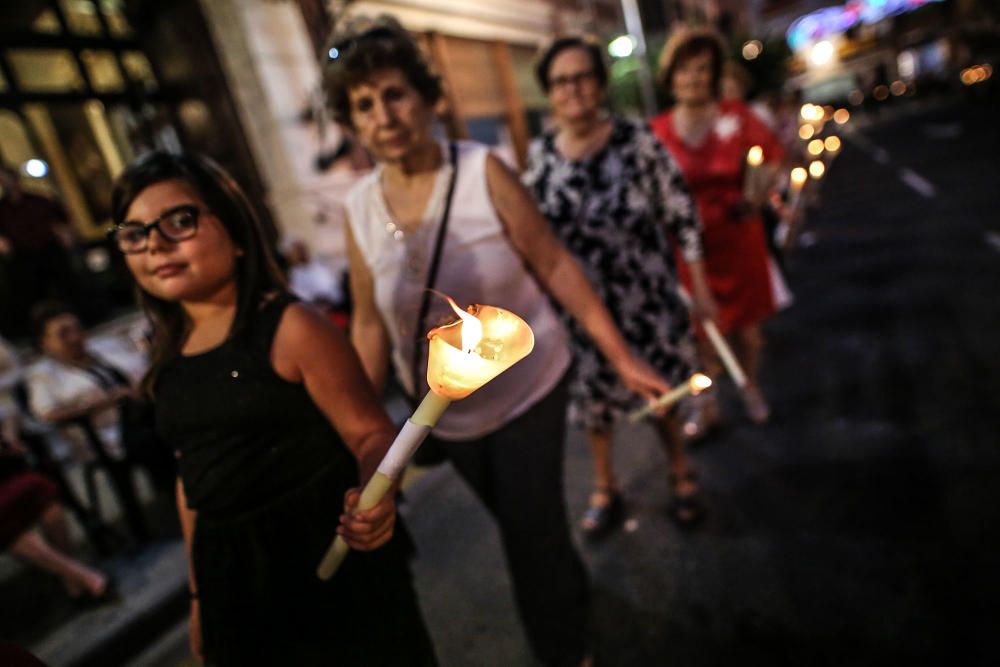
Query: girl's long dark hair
<point x="257" y="272"/>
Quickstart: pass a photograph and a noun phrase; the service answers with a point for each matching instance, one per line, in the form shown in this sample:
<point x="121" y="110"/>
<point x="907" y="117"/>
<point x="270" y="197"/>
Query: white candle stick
<point x="410" y="437"/>
<point x="720" y="344"/>
<point x="462" y="357"/>
<point x="696" y="384"/>
<point x="796" y="181"/>
<point x="754" y="182"/>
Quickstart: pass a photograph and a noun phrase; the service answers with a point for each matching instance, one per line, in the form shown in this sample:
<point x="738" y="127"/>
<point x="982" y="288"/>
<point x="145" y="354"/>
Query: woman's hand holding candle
<point x="696" y="384"/>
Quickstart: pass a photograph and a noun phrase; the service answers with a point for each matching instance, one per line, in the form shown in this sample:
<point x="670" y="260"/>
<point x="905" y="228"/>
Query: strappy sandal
<point x="599" y="520"/>
<point x="685" y="511"/>
<point x="758" y="411"/>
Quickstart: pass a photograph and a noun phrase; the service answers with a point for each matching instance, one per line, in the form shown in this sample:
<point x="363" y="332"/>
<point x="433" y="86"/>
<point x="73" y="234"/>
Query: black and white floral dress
<point x="618" y="212"/>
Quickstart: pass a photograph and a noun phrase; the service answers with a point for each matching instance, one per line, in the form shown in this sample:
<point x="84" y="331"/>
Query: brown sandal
<point x="599" y="520"/>
<point x="686" y="511"/>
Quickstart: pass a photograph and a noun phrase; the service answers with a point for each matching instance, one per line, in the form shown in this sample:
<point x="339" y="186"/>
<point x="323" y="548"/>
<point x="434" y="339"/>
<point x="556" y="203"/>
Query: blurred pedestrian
<point x="33" y="525"/>
<point x="710" y="139"/>
<point x="73" y="382"/>
<point x="274" y="426"/>
<point x="311" y="279"/>
<point x="456" y="207"/>
<point x="35" y="236"/>
<point x="613" y="196"/>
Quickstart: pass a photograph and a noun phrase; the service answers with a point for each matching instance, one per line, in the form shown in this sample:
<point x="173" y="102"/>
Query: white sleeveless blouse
<point x="478" y="265"/>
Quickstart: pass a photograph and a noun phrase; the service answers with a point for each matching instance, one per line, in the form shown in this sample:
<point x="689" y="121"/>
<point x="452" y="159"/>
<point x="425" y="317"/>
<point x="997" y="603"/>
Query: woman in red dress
<point x="709" y="138"/>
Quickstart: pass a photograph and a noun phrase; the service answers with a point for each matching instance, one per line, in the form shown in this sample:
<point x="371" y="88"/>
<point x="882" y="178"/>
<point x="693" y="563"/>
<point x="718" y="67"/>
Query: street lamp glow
<point x="621" y="47"/>
<point x="821" y="53"/>
<point x="36" y="168"/>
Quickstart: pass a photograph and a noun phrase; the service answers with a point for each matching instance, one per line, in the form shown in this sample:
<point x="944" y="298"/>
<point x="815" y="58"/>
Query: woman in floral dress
<point x="615" y="198"/>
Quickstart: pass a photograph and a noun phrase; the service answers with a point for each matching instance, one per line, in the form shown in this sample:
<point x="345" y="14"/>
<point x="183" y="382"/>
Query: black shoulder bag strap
<point x="425" y="303"/>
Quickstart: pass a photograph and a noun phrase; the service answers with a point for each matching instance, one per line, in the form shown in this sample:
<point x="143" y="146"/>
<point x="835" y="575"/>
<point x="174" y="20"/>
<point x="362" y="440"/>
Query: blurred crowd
<point x="641" y="252"/>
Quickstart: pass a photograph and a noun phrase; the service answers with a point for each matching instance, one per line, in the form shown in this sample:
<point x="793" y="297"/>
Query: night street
<point x="860" y="526"/>
<point x="234" y="238"/>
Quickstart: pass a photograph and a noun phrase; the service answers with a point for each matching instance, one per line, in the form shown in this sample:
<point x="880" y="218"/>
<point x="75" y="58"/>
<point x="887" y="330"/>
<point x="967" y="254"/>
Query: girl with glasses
<point x="274" y="426"/>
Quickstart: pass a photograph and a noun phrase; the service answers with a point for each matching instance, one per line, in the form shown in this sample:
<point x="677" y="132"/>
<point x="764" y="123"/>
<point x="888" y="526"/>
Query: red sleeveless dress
<point x="735" y="250"/>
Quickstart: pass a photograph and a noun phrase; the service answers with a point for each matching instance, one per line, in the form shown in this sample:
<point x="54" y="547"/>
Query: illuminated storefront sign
<point x="836" y="20"/>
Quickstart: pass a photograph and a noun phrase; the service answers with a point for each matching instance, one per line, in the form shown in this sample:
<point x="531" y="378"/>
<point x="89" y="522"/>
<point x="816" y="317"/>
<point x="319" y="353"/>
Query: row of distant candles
<point x="814" y="117"/>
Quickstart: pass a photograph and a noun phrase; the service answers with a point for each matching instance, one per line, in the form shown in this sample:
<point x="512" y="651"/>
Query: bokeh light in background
<point x="815" y="147"/>
<point x="841" y="116"/>
<point x="817" y="169"/>
<point x="821" y="53"/>
<point x="831" y="144"/>
<point x="799" y="176"/>
<point x="621" y="47"/>
<point x="976" y="74"/>
<point x="36" y="168"/>
<point x="752" y="49"/>
<point x="806" y="131"/>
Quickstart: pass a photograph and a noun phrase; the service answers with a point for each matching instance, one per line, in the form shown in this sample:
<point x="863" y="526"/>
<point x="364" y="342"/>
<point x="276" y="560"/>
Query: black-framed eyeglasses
<point x="572" y="79"/>
<point x="342" y="47"/>
<point x="176" y="224"/>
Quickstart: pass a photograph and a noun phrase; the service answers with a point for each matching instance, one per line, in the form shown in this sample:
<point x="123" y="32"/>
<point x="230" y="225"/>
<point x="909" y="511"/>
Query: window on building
<point x="45" y="70"/>
<point x="21" y="17"/>
<point x="103" y="70"/>
<point x="81" y="17"/>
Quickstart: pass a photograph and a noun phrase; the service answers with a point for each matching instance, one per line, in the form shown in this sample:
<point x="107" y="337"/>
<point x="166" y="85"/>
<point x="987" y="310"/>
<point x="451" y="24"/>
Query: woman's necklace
<point x="408" y="205"/>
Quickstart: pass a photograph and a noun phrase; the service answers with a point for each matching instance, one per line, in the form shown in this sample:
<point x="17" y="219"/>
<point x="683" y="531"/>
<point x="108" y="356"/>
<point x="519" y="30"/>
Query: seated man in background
<point x="74" y="388"/>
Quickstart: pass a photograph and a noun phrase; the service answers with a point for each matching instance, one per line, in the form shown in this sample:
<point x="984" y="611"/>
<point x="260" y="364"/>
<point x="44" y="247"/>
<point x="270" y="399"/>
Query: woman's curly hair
<point x="365" y="46"/>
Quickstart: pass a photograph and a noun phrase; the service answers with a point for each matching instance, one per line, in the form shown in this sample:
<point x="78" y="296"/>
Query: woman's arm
<point x="368" y="333"/>
<point x="310" y="350"/>
<point x="87" y="407"/>
<point x="673" y="203"/>
<point x="562" y="278"/>
<point x="189" y="518"/>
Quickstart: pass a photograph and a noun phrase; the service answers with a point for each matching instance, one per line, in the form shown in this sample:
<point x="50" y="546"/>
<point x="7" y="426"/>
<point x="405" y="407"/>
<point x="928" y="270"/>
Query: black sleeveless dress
<point x="267" y="474"/>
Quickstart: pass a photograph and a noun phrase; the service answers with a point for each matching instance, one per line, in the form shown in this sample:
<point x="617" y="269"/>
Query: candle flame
<point x="755" y="156"/>
<point x="472" y="328"/>
<point x="798" y="177"/>
<point x="700" y="383"/>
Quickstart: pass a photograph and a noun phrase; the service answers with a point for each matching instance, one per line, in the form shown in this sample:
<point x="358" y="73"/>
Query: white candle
<point x="796" y="180"/>
<point x="719" y="343"/>
<point x="754" y="181"/>
<point x="696" y="384"/>
<point x="463" y="356"/>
